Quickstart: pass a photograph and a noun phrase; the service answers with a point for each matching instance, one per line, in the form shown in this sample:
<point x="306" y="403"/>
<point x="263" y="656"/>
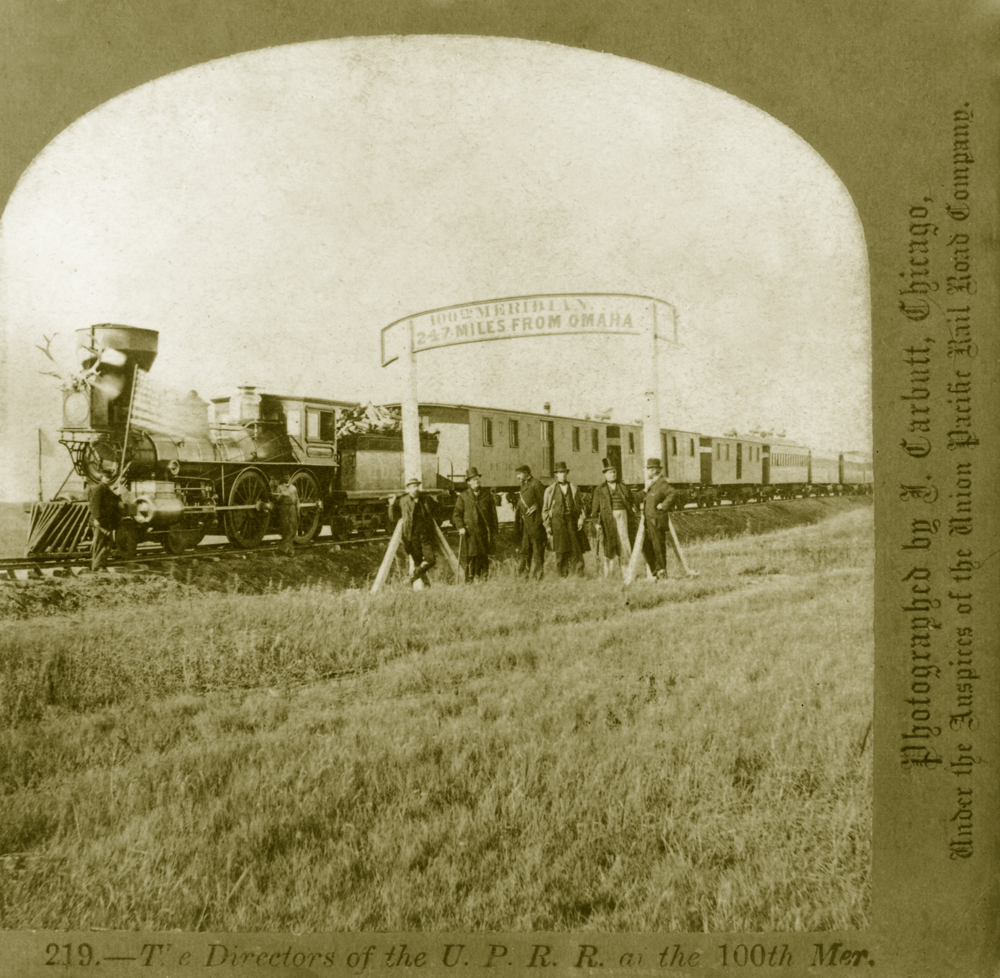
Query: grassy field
<point x="690" y="756"/>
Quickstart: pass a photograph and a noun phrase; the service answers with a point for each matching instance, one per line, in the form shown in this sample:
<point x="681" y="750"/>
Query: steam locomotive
<point x="186" y="467"/>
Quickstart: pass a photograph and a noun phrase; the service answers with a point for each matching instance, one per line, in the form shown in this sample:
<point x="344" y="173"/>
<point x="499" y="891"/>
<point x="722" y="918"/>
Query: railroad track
<point x="26" y="568"/>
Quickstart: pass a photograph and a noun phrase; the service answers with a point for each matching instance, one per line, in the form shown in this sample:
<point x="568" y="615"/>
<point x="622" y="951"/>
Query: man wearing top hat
<point x="615" y="511"/>
<point x="563" y="516"/>
<point x="655" y="508"/>
<point x="475" y="518"/>
<point x="418" y="530"/>
<point x="528" y="522"/>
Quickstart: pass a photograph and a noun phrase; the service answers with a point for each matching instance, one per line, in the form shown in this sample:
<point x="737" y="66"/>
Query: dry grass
<point x="497" y="757"/>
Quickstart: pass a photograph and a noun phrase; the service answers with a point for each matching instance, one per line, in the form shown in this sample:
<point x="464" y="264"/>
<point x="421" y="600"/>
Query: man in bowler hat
<point x="615" y="511"/>
<point x="655" y="508"/>
<point x="563" y="516"/>
<point x="475" y="518"/>
<point x="418" y="530"/>
<point x="528" y="522"/>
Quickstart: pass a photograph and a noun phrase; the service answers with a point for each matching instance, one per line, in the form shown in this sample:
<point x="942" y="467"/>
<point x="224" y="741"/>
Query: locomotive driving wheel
<point x="311" y="519"/>
<point x="246" y="527"/>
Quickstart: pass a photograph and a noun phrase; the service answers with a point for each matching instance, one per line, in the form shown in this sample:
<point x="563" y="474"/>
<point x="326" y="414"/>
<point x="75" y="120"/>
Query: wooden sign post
<point x="519" y="317"/>
<point x="651" y="443"/>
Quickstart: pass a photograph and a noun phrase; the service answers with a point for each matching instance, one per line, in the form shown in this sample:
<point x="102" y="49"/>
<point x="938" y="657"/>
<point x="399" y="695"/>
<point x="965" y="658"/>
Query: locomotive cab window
<point x="488" y="432"/>
<point x="320" y="425"/>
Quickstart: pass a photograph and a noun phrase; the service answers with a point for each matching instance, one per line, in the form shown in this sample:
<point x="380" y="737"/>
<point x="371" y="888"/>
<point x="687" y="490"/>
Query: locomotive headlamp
<point x="173" y="467"/>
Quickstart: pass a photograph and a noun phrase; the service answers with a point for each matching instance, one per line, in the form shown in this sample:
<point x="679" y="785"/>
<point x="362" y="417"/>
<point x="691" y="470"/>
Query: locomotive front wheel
<point x="177" y="539"/>
<point x="246" y="527"/>
<point x="127" y="538"/>
<point x="311" y="519"/>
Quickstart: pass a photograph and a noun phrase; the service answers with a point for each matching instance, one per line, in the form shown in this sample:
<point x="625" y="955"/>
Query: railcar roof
<point x="532" y="414"/>
<point x="295" y="397"/>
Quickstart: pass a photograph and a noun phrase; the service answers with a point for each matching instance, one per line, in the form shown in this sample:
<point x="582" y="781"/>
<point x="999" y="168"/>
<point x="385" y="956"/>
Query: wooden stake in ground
<point x="456" y="565"/>
<point x="633" y="564"/>
<point x="637" y="554"/>
<point x="675" y="544"/>
<point x="390" y="556"/>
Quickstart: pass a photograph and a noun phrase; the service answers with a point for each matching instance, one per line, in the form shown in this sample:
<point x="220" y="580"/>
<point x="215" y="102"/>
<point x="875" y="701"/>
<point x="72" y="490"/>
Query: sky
<point x="270" y="212"/>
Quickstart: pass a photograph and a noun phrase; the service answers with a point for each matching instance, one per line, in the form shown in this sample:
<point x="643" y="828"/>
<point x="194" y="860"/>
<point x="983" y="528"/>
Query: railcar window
<point x="727" y="451"/>
<point x="327" y="425"/>
<point x="488" y="432"/>
<point x="631" y="443"/>
<point x="312" y="424"/>
<point x="673" y="444"/>
<point x="576" y="439"/>
<point x="515" y="437"/>
<point x="691" y="440"/>
<point x="718" y="452"/>
<point x="595" y="440"/>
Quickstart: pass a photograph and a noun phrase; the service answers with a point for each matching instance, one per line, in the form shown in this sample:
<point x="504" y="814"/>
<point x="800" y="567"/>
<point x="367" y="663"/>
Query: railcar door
<point x="705" y="450"/>
<point x="548" y="448"/>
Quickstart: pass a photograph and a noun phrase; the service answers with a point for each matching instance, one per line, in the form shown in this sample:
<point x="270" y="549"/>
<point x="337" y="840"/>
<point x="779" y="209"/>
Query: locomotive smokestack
<point x="138" y="345"/>
<point x="108" y="405"/>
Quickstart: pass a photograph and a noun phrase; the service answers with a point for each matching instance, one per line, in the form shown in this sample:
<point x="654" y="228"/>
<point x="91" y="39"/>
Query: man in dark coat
<point x="418" y="530"/>
<point x="655" y="508"/>
<point x="528" y="522"/>
<point x="563" y="516"/>
<point x="615" y="511"/>
<point x="475" y="518"/>
<point x="105" y="515"/>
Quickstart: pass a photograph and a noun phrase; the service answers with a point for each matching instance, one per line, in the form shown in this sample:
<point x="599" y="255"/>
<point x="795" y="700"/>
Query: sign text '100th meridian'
<point x="539" y="315"/>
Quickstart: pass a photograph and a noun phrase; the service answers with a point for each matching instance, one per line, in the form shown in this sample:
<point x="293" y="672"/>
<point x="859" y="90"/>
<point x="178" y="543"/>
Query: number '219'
<point x="63" y="954"/>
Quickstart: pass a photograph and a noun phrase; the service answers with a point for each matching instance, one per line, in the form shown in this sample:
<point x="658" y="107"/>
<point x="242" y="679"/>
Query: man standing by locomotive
<point x="105" y="515"/>
<point x="614" y="509"/>
<point x="563" y="516"/>
<point x="287" y="506"/>
<point x="528" y="522"/>
<point x="418" y="530"/>
<point x="475" y="518"/>
<point x="655" y="508"/>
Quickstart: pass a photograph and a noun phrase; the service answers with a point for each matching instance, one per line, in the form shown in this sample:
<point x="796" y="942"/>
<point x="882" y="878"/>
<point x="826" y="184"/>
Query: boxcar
<point x="497" y="441"/>
<point x="681" y="457"/>
<point x="730" y="468"/>
<point x="784" y="469"/>
<point x="824" y="474"/>
<point x="856" y="472"/>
